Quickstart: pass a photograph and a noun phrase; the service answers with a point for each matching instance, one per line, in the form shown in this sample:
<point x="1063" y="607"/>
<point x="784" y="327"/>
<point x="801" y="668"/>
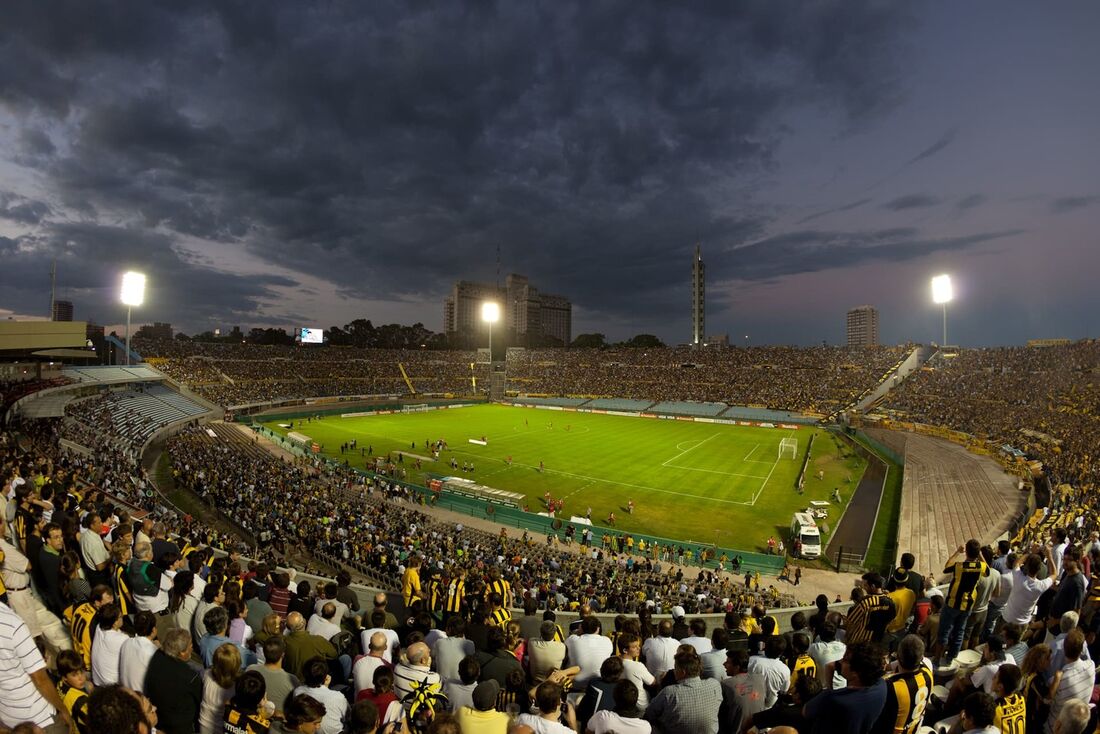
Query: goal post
<point x="788" y="448"/>
<point x="419" y="408"/>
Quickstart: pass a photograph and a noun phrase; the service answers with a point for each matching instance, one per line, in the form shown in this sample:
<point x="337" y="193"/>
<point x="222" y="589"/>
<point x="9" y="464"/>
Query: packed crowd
<point x="814" y="379"/>
<point x="1044" y="401"/>
<point x="237" y="374"/>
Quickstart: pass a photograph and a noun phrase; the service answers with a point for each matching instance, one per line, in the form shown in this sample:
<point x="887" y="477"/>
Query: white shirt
<point x="341" y="609"/>
<point x="391" y="650"/>
<point x="363" y="672"/>
<point x="777" y="677"/>
<point x="701" y="644"/>
<point x="544" y="726"/>
<point x="1025" y="592"/>
<point x="19" y="657"/>
<point x="318" y="625"/>
<point x="158" y="603"/>
<point x="336" y="707"/>
<point x="212" y="708"/>
<point x="134" y="662"/>
<point x="660" y="654"/>
<point x="589" y="652"/>
<point x="640" y="676"/>
<point x="984" y="675"/>
<point x="106" y="653"/>
<point x="92" y="548"/>
<point x="609" y="722"/>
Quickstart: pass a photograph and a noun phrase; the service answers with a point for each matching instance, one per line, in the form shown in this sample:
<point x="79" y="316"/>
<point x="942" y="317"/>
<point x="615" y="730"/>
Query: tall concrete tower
<point x="698" y="299"/>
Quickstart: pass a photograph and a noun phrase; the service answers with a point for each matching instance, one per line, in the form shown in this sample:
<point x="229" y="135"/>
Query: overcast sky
<point x="307" y="163"/>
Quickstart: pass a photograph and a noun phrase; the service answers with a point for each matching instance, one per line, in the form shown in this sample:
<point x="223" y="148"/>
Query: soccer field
<point x="705" y="482"/>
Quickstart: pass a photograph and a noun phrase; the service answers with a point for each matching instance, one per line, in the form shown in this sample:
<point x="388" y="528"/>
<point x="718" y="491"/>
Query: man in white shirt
<point x="92" y="549"/>
<point x="26" y="691"/>
<point x="137" y="651"/>
<point x="827" y="649"/>
<point x="316" y="677"/>
<point x="698" y="638"/>
<point x="1027" y="588"/>
<point x="660" y="651"/>
<point x="145" y="576"/>
<point x="378" y="621"/>
<point x="363" y="670"/>
<point x="415" y="672"/>
<point x="777" y="676"/>
<point x="588" y="650"/>
<point x="630" y="647"/>
<point x="322" y="624"/>
<point x="40" y="621"/>
<point x="107" y="645"/>
<point x="448" y="651"/>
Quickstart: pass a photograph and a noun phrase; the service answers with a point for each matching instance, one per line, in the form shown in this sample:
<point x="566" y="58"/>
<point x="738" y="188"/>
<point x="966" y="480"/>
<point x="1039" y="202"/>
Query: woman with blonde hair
<point x="218" y="685"/>
<point x="271" y="626"/>
<point x="513" y="638"/>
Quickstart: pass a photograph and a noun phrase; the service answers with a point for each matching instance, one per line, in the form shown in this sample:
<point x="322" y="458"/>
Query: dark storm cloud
<point x="813" y="250"/>
<point x="971" y="201"/>
<point x="1065" y="204"/>
<point x="844" y="208"/>
<point x="21" y="210"/>
<point x="945" y="140"/>
<point x="92" y="258"/>
<point x="911" y="201"/>
<point x="390" y="147"/>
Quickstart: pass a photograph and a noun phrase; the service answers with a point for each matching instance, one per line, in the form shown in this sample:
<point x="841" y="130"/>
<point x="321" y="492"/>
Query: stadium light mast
<point x="133" y="294"/>
<point x="943" y="293"/>
<point x="490" y="314"/>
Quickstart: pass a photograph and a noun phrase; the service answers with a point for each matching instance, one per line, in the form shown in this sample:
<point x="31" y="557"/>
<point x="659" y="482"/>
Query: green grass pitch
<point x="705" y="482"/>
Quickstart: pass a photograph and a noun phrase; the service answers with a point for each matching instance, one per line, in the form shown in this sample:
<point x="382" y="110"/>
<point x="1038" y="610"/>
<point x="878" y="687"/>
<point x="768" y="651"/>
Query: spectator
<point x="906" y="689"/>
<point x="660" y="651"/>
<point x="630" y="648"/>
<point x="415" y="673"/>
<point x="960" y="598"/>
<point x="450" y="650"/>
<point x="302" y="647"/>
<point x="362" y="671"/>
<point x="278" y="683"/>
<point x="174" y="687"/>
<point x="691" y="704"/>
<point x="551" y="719"/>
<point x="598" y="696"/>
<point x="304" y="714"/>
<point x="315" y="682"/>
<point x="770" y="665"/>
<point x="460" y="692"/>
<point x="218" y="687"/>
<point x="26" y="691"/>
<point x="482" y="717"/>
<point x="625" y="717"/>
<point x="246" y="710"/>
<point x="137" y="652"/>
<point x="855" y="708"/>
<point x="743" y="693"/>
<point x="588" y="650"/>
<point x="1073" y="680"/>
<point x="119" y="711"/>
<point x="496" y="661"/>
<point x="547" y="654"/>
<point x="107" y="645"/>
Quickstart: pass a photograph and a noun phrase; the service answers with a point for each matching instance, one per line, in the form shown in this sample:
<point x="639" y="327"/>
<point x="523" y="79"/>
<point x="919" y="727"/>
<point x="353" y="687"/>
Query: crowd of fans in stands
<point x="1044" y="401"/>
<point x="816" y="379"/>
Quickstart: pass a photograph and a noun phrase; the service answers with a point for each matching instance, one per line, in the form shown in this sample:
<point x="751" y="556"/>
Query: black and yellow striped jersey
<point x="907" y="696"/>
<point x="456" y="595"/>
<point x="868" y="618"/>
<point x="499" y="586"/>
<point x="964" y="581"/>
<point x="435" y="594"/>
<point x="1011" y="714"/>
<point x="123" y="597"/>
<point x="80" y="629"/>
<point x="76" y="701"/>
<point x="499" y="617"/>
<point x="236" y="721"/>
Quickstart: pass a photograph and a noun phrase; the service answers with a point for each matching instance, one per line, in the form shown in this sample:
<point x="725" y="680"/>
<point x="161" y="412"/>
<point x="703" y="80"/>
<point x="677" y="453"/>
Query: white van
<point x="804" y="530"/>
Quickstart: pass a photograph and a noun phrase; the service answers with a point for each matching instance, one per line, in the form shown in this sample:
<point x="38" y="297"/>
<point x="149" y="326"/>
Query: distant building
<point x="863" y="327"/>
<point x="718" y="340"/>
<point x="155" y="330"/>
<point x="527" y="314"/>
<point x="698" y="299"/>
<point x="62" y="310"/>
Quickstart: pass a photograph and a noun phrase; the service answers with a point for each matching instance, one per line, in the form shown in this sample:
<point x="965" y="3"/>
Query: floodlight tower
<point x="943" y="293"/>
<point x="133" y="294"/>
<point x="490" y="314"/>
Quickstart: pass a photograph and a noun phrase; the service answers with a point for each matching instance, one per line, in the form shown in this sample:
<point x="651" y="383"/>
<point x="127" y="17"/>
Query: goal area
<point x="788" y="448"/>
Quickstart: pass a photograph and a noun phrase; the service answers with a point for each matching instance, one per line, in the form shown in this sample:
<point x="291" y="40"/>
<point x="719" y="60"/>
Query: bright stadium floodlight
<point x="943" y="293"/>
<point x="490" y="314"/>
<point x="133" y="294"/>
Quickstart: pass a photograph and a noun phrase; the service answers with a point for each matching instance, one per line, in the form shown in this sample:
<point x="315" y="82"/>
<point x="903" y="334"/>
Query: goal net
<point x="414" y="408"/>
<point x="788" y="448"/>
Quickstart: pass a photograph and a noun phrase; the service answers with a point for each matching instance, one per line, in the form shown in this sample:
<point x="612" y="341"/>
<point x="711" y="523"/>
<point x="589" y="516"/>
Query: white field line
<point x="714" y="471"/>
<point x="677" y="456"/>
<point x="761" y="490"/>
<point x="754" y="448"/>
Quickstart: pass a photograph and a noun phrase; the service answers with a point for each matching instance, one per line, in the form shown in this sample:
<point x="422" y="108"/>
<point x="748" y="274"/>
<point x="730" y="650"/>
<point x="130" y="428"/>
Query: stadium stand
<point x="1041" y="403"/>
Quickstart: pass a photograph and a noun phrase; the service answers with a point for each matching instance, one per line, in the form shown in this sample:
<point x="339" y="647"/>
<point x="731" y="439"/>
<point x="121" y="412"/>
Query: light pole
<point x="133" y="294"/>
<point x="490" y="314"/>
<point x="942" y="293"/>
